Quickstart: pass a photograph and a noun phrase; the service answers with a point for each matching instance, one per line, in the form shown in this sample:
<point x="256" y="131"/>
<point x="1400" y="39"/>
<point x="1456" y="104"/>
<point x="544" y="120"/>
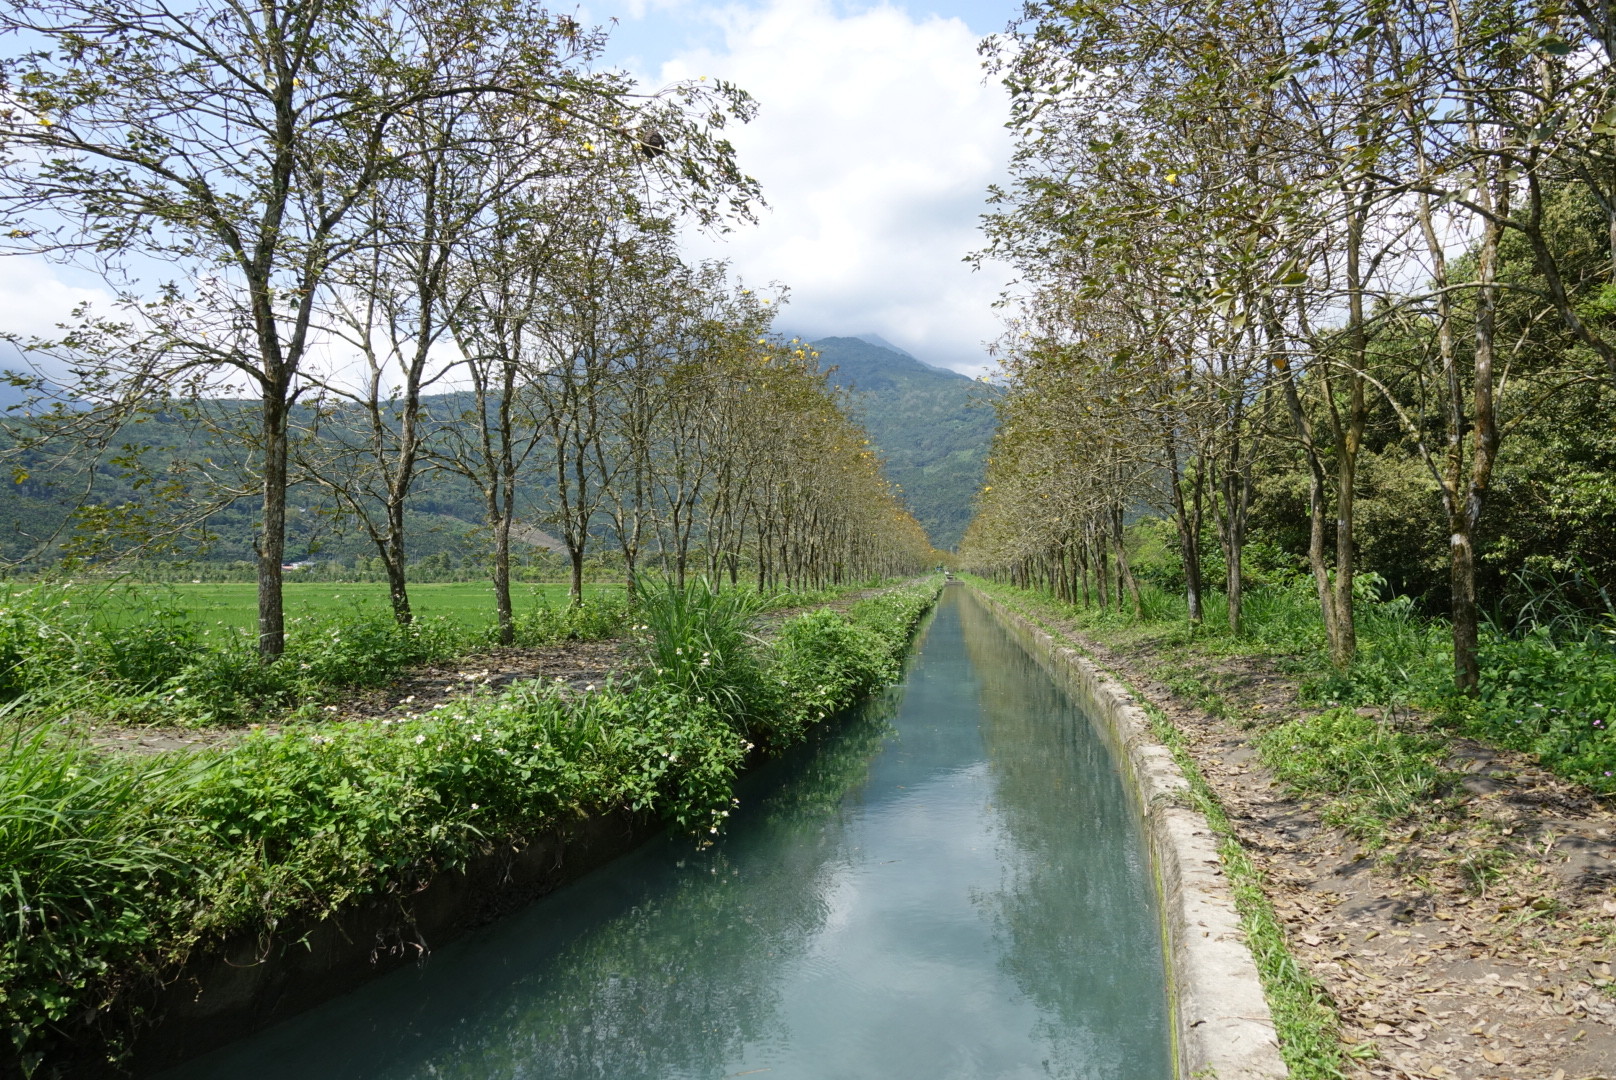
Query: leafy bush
<point x="820" y="661"/>
<point x="141" y="657"/>
<point x="227" y="685"/>
<point x="823" y="661"/>
<point x="367" y="649"/>
<point x="594" y="618"/>
<point x="1554" y="699"/>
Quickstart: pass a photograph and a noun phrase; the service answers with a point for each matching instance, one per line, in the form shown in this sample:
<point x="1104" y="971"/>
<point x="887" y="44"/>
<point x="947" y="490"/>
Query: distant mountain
<point x="878" y="340"/>
<point x="918" y="417"/>
<point x="932" y="425"/>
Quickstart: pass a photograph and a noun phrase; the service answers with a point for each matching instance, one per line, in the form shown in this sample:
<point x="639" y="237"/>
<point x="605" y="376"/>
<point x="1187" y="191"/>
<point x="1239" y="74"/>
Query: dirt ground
<point x="579" y="665"/>
<point x="1477" y="944"/>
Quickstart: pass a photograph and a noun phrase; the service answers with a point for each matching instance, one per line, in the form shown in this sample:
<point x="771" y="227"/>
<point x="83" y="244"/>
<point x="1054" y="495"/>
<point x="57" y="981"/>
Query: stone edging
<point x="1222" y="1024"/>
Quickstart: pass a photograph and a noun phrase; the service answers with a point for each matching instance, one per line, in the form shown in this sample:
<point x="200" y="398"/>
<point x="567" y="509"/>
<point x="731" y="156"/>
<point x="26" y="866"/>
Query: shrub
<point x="1555" y="699"/>
<point x="227" y="685"/>
<point x="594" y="618"/>
<point x="367" y="649"/>
<point x="819" y="662"/>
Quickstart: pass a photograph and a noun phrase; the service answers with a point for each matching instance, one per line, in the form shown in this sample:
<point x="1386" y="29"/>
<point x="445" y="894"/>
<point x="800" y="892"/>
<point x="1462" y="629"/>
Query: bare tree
<point x="239" y="145"/>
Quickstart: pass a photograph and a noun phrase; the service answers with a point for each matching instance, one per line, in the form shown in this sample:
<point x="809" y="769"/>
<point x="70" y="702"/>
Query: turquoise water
<point x="950" y="883"/>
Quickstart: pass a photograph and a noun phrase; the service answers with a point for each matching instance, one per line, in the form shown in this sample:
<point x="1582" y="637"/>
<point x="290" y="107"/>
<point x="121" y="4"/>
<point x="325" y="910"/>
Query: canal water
<point x="949" y="884"/>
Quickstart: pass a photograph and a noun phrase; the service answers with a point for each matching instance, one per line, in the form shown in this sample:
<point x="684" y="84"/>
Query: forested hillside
<point x="932" y="426"/>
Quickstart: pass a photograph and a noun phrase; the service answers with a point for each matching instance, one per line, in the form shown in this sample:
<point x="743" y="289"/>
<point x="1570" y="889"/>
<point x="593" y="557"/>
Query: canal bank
<point x="951" y="883"/>
<point x="1221" y="1020"/>
<point x="300" y="860"/>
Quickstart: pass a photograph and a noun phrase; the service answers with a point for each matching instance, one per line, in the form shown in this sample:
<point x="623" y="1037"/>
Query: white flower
<point x="419" y="739"/>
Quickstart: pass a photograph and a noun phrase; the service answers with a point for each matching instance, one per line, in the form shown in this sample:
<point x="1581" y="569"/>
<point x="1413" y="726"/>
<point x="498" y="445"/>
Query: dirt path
<point x="579" y="665"/>
<point x="1477" y="944"/>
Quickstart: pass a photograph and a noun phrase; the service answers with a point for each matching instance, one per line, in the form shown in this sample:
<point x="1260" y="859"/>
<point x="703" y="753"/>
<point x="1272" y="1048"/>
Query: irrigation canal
<point x="950" y="883"/>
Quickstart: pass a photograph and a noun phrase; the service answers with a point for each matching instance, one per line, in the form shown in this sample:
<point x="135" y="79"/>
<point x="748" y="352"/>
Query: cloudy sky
<point x="877" y="138"/>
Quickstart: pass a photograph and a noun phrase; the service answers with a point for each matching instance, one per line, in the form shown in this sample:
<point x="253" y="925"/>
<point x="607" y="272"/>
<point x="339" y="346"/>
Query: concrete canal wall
<point x="1222" y="1025"/>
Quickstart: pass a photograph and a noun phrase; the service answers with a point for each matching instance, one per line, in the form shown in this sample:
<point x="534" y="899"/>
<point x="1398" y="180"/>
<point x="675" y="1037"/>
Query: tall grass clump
<point x="699" y="641"/>
<point x="98" y="858"/>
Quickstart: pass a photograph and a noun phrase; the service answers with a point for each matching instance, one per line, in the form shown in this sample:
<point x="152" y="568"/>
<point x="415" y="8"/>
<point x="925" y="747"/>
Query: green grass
<point x="143" y="654"/>
<point x="1543" y="690"/>
<point x="1371" y="774"/>
<point x="235" y="605"/>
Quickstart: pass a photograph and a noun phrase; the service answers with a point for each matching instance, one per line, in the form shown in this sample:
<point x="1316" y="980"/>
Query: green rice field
<point x="235" y="604"/>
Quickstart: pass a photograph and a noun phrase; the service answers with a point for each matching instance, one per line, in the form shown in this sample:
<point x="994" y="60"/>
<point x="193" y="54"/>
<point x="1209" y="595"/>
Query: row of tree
<point x="1266" y="243"/>
<point x="356" y="211"/>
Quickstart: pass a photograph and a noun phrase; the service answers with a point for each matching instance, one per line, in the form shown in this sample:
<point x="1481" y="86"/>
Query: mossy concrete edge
<point x="1222" y="1024"/>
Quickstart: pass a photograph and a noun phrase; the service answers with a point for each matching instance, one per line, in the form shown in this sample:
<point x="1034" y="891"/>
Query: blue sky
<point x="657" y="30"/>
<point x="877" y="136"/>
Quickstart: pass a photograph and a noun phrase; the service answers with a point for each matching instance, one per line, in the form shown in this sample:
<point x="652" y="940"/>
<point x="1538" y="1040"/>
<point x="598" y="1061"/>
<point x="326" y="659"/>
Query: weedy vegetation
<point x="80" y="648"/>
<point x="119" y="866"/>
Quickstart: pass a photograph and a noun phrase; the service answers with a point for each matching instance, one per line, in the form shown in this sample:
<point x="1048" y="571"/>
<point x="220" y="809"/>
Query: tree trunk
<point x="1124" y="568"/>
<point x="1462" y="582"/>
<point x="397" y="572"/>
<point x="1187" y="516"/>
<point x="501" y="521"/>
<point x="1102" y="575"/>
<point x="272" y="540"/>
<point x="1466" y="513"/>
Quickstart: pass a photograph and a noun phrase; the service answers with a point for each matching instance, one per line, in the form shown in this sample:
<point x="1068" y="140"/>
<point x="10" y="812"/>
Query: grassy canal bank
<point x="122" y="867"/>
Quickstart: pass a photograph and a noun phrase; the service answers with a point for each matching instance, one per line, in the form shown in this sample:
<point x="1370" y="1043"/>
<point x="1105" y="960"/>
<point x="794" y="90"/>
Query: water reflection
<point x="948" y="894"/>
<point x="661" y="965"/>
<point x="1075" y="910"/>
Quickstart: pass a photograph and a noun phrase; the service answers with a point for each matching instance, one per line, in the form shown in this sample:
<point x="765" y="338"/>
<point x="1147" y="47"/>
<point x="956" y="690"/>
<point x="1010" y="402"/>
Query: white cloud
<point x="876" y="141"/>
<point x="36" y="295"/>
